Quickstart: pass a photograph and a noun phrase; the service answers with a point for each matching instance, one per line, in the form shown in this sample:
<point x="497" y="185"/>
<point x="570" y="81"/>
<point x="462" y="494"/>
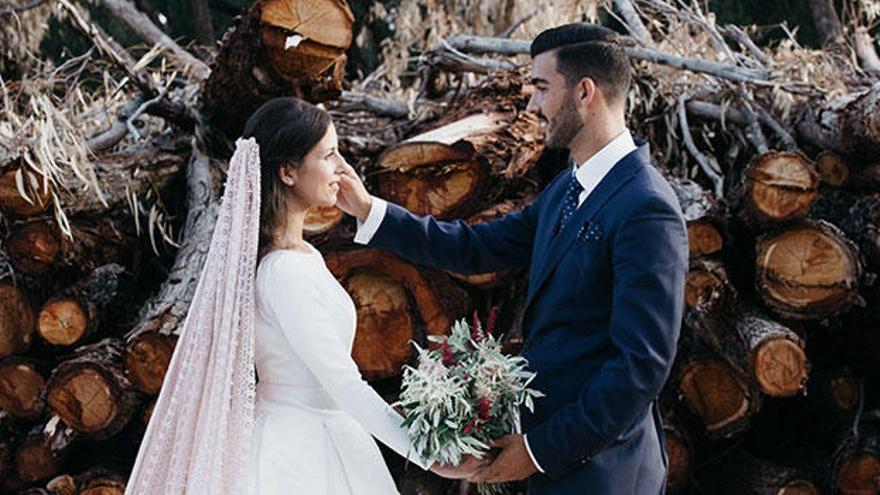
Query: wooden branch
<point x="745" y="40"/>
<point x="144" y="27"/>
<point x="117" y="131"/>
<point x="827" y="22"/>
<point x="479" y="44"/>
<point x="448" y="57"/>
<point x="716" y="178"/>
<point x="633" y="22"/>
<point x="864" y="46"/>
<point x="375" y="104"/>
<point x="755" y="134"/>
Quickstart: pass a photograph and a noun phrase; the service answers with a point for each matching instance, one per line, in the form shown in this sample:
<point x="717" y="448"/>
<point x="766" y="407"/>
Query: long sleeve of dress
<point x="294" y="299"/>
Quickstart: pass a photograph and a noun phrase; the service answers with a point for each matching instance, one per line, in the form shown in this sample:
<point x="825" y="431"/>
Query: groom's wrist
<point x="364" y="210"/>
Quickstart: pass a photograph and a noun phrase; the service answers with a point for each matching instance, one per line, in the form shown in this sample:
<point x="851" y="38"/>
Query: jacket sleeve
<point x="457" y="246"/>
<point x="649" y="264"/>
<point x="305" y="321"/>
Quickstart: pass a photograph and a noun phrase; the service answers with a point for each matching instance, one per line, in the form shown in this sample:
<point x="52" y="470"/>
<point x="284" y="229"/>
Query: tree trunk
<point x="201" y="16"/>
<point x="91" y="392"/>
<point x="22" y="388"/>
<point x="396" y="303"/>
<point x="763" y="350"/>
<point x="17" y="320"/>
<point x="717" y="394"/>
<point x="150" y="343"/>
<point x="827" y="22"/>
<point x="278" y="48"/>
<point x="446" y="172"/>
<point x="808" y="271"/>
<point x="38" y="247"/>
<point x="778" y="186"/>
<point x="705" y="220"/>
<point x="856" y="464"/>
<point x="848" y="124"/>
<point x="75" y="316"/>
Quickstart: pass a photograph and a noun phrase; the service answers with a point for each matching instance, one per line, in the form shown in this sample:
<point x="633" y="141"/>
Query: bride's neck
<point x="290" y="234"/>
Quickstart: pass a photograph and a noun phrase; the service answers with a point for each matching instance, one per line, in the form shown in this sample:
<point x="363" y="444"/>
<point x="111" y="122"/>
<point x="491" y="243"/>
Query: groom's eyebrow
<point x="539" y="80"/>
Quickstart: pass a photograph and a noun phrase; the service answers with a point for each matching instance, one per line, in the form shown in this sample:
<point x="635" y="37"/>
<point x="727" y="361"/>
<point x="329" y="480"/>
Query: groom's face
<point x="553" y="102"/>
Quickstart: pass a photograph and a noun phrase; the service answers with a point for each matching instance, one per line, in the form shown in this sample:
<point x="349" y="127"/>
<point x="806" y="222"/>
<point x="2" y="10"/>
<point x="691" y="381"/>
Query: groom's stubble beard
<point x="565" y="125"/>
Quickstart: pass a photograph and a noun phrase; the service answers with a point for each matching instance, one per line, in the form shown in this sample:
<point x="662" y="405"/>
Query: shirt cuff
<point x="367" y="229"/>
<point x="532" y="456"/>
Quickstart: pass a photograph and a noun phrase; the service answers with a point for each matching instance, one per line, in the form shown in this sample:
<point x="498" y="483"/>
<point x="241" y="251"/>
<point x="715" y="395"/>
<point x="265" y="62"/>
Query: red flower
<point x="469" y="427"/>
<point x="476" y="333"/>
<point x="483" y="409"/>
<point x="448" y="356"/>
<point x="490" y="322"/>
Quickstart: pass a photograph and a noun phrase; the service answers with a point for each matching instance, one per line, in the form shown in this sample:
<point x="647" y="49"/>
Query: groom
<point x="606" y="248"/>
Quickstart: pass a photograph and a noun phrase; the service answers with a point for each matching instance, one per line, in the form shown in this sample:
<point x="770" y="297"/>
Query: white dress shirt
<point x="589" y="174"/>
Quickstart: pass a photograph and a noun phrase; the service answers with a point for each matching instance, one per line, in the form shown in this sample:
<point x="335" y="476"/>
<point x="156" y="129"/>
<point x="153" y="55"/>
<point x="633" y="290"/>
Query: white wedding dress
<point x="314" y="413"/>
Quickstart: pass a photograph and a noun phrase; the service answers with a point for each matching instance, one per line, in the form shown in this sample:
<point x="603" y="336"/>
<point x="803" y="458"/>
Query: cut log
<point x="150" y="343"/>
<point x="36" y="459"/>
<point x="489" y="280"/>
<point x="856" y="467"/>
<point x="708" y="290"/>
<point x="761" y="349"/>
<point x="717" y="394"/>
<point x="396" y="304"/>
<point x="12" y="180"/>
<point x="64" y="484"/>
<point x="278" y="48"/>
<point x="121" y="176"/>
<point x="17" y="320"/>
<point x="97" y="481"/>
<point x="741" y="473"/>
<point x="832" y="169"/>
<point x="848" y="124"/>
<point x="22" y="388"/>
<point x="837" y="390"/>
<point x="74" y="318"/>
<point x="808" y="271"/>
<point x="444" y="172"/>
<point x="705" y="225"/>
<point x="38" y="247"/>
<point x="321" y="220"/>
<point x="91" y="393"/>
<point x="777" y="186"/>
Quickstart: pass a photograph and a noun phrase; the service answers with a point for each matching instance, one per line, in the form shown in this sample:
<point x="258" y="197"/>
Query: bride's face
<point x="316" y="182"/>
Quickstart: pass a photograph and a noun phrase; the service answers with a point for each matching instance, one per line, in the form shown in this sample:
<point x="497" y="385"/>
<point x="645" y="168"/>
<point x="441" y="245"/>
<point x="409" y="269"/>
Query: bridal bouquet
<point x="464" y="395"/>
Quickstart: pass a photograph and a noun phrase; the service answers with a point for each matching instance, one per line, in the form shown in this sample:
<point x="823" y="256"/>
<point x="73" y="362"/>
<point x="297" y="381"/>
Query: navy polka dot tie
<point x="569" y="206"/>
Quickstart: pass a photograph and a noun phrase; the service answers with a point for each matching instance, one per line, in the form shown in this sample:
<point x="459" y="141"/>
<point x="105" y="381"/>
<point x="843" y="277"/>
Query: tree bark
<point x="150" y="343"/>
<point x="848" y="124"/>
<point x="202" y="22"/>
<point x="827" y="22"/>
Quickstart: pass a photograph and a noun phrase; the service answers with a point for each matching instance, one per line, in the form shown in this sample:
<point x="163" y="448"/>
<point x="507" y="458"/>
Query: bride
<point x="266" y="299"/>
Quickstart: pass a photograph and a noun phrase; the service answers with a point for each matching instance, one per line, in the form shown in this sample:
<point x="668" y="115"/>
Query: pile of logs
<point x="773" y="388"/>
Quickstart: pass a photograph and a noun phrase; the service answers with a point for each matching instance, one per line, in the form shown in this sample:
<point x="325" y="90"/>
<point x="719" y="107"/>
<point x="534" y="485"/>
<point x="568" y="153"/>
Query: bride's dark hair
<point x="286" y="129"/>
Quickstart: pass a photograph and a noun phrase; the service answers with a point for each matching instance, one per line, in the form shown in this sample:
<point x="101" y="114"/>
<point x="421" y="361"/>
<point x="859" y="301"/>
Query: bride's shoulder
<point x="285" y="263"/>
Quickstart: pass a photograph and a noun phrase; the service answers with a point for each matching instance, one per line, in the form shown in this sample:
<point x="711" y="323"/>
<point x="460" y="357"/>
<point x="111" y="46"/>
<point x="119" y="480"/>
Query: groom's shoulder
<point x="651" y="186"/>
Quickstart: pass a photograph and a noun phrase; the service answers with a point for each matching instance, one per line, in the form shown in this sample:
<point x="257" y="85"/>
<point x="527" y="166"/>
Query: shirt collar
<point x="591" y="172"/>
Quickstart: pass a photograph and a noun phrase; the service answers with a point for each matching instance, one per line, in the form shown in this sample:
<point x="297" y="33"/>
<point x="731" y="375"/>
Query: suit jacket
<point x="603" y="315"/>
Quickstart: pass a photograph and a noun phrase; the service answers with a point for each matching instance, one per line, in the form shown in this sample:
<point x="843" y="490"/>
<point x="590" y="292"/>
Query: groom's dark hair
<point x="588" y="50"/>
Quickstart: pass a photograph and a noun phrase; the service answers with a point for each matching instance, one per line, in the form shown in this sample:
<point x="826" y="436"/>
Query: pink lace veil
<point x="199" y="437"/>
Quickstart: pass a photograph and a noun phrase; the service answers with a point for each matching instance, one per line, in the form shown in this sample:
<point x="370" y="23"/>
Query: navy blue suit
<point x="602" y="319"/>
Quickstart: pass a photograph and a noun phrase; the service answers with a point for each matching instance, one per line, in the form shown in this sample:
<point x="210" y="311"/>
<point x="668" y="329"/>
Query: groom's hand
<point x="512" y="464"/>
<point x="468" y="468"/>
<point x="353" y="197"/>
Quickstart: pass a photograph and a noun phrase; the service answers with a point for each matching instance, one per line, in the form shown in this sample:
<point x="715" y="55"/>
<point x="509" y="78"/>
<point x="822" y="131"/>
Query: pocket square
<point x="590" y="232"/>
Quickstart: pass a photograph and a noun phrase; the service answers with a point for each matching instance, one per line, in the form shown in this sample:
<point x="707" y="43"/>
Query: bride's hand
<point x="468" y="467"/>
<point x="353" y="197"/>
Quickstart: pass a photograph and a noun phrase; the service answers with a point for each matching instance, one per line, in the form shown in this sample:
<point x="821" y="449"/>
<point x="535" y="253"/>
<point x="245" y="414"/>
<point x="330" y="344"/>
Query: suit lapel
<point x="554" y="247"/>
